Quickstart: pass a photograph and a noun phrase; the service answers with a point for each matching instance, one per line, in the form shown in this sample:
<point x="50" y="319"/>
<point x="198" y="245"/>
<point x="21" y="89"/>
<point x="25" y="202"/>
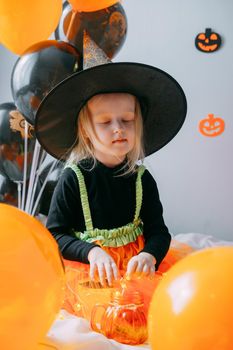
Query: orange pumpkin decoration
<point x="211" y="126"/>
<point x="208" y="42"/>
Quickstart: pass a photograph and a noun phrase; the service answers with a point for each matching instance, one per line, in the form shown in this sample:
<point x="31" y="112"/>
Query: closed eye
<point x="127" y="120"/>
<point x="103" y="122"/>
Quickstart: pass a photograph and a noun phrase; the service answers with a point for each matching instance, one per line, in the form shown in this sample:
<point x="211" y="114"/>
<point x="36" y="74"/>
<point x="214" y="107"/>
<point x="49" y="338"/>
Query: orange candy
<point x="192" y="306"/>
<point x="31" y="280"/>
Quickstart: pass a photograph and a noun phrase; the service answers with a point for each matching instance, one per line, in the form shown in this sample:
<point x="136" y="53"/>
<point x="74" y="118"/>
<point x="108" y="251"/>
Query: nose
<point x="118" y="131"/>
<point x="118" y="127"/>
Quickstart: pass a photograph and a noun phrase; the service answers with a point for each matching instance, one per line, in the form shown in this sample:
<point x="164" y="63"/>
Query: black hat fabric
<point x="162" y="101"/>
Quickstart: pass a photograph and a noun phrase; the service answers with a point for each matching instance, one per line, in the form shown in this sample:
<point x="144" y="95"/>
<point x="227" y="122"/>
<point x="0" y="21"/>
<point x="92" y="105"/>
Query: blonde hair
<point x="83" y="148"/>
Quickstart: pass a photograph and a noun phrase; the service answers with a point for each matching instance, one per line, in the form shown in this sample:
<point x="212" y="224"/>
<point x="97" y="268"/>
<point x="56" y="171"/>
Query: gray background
<point x="194" y="173"/>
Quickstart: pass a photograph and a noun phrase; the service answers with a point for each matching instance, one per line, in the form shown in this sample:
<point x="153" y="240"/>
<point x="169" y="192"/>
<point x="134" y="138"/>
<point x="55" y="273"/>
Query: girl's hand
<point x="103" y="264"/>
<point x="143" y="263"/>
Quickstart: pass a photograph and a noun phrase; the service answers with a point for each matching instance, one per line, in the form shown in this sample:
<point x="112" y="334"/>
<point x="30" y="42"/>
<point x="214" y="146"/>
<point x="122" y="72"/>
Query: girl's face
<point x="113" y="124"/>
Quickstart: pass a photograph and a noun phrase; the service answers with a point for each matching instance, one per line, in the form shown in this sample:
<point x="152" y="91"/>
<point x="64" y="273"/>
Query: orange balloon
<point x="91" y="5"/>
<point x="192" y="307"/>
<point x="45" y="346"/>
<point x="31" y="280"/>
<point x="26" y="22"/>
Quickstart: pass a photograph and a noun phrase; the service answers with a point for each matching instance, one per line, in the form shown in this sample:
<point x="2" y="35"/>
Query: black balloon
<point x="12" y="143"/>
<point x="8" y="191"/>
<point x="38" y="70"/>
<point x="107" y="27"/>
<point x="51" y="183"/>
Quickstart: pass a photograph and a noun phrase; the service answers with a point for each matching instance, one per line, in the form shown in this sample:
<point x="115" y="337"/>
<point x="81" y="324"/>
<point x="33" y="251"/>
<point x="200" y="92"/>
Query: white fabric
<point x="200" y="241"/>
<point x="74" y="333"/>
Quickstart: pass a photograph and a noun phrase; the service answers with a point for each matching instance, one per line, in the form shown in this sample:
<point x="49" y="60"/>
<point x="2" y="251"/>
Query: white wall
<point x="194" y="173"/>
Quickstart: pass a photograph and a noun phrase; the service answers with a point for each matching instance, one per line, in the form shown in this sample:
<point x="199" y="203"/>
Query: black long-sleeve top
<point x="112" y="201"/>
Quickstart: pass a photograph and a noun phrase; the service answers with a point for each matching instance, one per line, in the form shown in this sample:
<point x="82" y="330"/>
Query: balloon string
<point x="25" y="164"/>
<point x="42" y="158"/>
<point x="70" y="27"/>
<point x="19" y="189"/>
<point x="32" y="174"/>
<point x="36" y="181"/>
<point x="43" y="186"/>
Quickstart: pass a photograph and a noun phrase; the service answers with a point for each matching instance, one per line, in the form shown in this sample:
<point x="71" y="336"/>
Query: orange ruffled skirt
<point x="82" y="294"/>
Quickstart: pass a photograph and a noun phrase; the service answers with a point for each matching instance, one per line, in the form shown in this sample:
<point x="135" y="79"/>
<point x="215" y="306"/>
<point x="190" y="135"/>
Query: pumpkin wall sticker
<point x="208" y="42"/>
<point x="211" y="126"/>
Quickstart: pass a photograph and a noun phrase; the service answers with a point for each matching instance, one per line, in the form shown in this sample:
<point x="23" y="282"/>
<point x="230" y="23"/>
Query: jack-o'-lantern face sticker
<point x="208" y="42"/>
<point x="17" y="123"/>
<point x="211" y="126"/>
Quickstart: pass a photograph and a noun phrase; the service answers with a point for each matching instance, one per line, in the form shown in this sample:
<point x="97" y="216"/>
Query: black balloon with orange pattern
<point x="8" y="191"/>
<point x="12" y="143"/>
<point x="107" y="27"/>
<point x="38" y="70"/>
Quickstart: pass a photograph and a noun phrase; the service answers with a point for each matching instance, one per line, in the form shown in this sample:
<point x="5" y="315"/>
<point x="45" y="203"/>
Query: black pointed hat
<point x="162" y="101"/>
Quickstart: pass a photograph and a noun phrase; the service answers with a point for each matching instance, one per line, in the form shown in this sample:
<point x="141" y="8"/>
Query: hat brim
<point x="162" y="99"/>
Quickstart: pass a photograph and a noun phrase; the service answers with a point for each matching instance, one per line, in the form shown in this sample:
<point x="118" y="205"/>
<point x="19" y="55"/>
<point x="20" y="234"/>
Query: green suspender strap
<point x="115" y="237"/>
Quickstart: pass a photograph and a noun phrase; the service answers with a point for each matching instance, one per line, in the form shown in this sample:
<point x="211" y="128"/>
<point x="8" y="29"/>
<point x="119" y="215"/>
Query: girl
<point x="106" y="212"/>
<point x="109" y="134"/>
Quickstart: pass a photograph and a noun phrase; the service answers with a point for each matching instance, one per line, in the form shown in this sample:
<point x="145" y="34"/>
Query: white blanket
<point x="74" y="333"/>
<point x="69" y="332"/>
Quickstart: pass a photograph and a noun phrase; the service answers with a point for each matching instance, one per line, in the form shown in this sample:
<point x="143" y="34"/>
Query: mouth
<point x="207" y="48"/>
<point x="119" y="141"/>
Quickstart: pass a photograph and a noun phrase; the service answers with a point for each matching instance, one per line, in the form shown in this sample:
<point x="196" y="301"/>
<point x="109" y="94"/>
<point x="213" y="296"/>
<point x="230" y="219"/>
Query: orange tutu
<point x="176" y="252"/>
<point x="82" y="294"/>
